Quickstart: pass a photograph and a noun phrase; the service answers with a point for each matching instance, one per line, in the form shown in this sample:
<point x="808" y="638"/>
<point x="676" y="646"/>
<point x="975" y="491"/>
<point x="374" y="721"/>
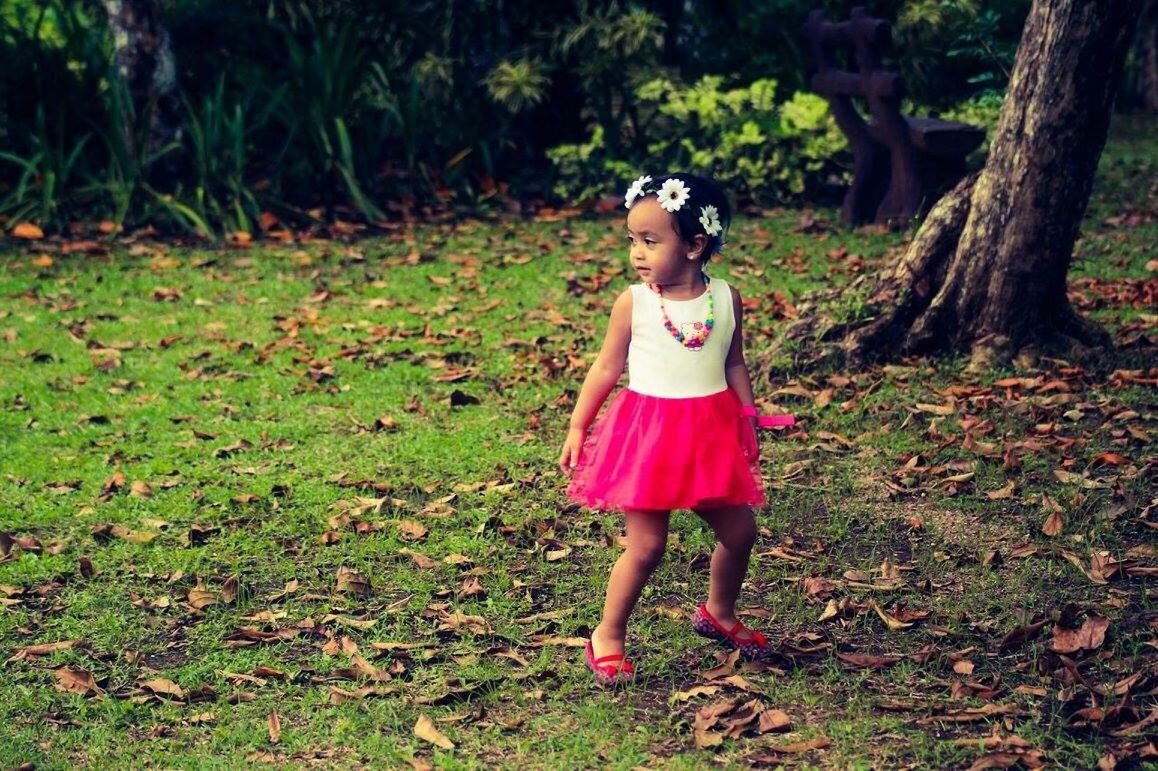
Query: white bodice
<point x="658" y="365"/>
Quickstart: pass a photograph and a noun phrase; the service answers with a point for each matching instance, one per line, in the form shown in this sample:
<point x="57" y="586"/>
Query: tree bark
<point x="1147" y="53"/>
<point x="986" y="273"/>
<point x="144" y="60"/>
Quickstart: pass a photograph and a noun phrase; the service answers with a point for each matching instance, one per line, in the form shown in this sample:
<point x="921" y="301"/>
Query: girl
<point x="682" y="434"/>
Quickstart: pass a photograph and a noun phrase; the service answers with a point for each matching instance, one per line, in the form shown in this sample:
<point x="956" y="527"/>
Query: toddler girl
<point x="682" y="434"/>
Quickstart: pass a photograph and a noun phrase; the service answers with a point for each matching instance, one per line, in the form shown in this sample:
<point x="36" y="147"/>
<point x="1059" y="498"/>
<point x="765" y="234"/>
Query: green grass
<point x="156" y="361"/>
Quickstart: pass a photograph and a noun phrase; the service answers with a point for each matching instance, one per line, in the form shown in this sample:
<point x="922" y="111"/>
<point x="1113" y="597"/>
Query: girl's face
<point x="656" y="250"/>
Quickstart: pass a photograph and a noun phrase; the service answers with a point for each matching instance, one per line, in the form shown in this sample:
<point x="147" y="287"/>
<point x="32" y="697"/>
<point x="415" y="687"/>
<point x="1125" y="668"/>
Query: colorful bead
<point x="695" y="341"/>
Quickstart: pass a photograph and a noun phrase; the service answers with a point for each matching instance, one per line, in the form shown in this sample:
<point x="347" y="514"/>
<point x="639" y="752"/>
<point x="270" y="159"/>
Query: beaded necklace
<point x="695" y="340"/>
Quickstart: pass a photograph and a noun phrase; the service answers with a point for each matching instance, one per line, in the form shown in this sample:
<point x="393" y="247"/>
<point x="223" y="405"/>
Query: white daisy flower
<point x="710" y="219"/>
<point x="672" y="195"/>
<point x="636" y="190"/>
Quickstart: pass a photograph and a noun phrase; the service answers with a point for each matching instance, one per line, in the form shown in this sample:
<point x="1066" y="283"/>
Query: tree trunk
<point x="144" y="60"/>
<point x="1147" y="53"/>
<point x="986" y="273"/>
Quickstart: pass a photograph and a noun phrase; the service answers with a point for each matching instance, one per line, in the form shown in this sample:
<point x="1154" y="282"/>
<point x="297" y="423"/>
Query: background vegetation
<point x="301" y="111"/>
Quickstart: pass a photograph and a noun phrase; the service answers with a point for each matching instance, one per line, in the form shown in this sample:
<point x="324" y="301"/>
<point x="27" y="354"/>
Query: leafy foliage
<point x="948" y="50"/>
<point x="517" y="85"/>
<point x="760" y="149"/>
<point x="355" y="109"/>
<point x="220" y="139"/>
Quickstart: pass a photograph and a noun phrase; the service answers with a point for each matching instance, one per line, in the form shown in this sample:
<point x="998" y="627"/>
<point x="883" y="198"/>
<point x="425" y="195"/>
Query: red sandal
<point x="706" y="625"/>
<point x="609" y="669"/>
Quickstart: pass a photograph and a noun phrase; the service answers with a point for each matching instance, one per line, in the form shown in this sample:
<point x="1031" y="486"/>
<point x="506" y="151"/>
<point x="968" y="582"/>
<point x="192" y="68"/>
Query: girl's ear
<point x="699" y="243"/>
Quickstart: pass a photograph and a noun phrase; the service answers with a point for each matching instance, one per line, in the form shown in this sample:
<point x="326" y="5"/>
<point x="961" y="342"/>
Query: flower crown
<point x="672" y="195"/>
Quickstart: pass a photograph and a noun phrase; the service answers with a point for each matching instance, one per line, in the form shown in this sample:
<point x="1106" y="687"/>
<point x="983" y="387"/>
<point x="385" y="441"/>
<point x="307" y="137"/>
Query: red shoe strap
<point x="708" y="615"/>
<point x="756" y="638"/>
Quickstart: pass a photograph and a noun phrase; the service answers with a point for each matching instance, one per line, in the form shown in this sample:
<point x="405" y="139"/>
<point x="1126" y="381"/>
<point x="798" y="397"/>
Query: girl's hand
<point x="750" y="441"/>
<point x="569" y="457"/>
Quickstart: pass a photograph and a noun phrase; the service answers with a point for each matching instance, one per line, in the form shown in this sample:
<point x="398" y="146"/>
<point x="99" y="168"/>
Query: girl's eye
<point x="649" y="241"/>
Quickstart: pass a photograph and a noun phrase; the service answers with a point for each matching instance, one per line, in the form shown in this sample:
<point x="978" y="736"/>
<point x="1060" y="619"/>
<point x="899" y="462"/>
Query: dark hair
<point x="703" y="191"/>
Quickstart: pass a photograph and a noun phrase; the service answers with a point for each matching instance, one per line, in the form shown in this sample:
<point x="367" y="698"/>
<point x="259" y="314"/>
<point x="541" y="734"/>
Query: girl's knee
<point x="740" y="532"/>
<point x="646" y="555"/>
<point x="646" y="539"/>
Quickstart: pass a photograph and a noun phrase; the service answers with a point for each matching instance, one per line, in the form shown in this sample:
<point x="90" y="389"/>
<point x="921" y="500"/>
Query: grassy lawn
<point x="297" y="504"/>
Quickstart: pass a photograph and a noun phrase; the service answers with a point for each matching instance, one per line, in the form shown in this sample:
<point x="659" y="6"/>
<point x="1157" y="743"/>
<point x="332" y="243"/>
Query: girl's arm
<point x="601" y="378"/>
<point x="735" y="368"/>
<point x="736" y="372"/>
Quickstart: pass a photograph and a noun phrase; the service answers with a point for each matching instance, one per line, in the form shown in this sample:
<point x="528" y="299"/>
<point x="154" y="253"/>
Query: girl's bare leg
<point x="735" y="528"/>
<point x="646" y="541"/>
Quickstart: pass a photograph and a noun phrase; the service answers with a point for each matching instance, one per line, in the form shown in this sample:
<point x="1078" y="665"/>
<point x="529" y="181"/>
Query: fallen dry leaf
<point x="970" y="714"/>
<point x="162" y="687"/>
<point x="458" y="622"/>
<point x="471" y="587"/>
<point x="1138" y="727"/>
<point x="538" y="640"/>
<point x="894" y="624"/>
<point x="411" y="530"/>
<point x="726" y="668"/>
<point x="352" y="582"/>
<point x="426" y="730"/>
<point x="708" y="717"/>
<point x="1001" y="494"/>
<point x="1103" y="567"/>
<point x="867" y="660"/>
<point x="76" y="681"/>
<point x="773" y="720"/>
<point x="694" y="691"/>
<point x="818" y="587"/>
<point x="199" y="597"/>
<point x="30" y="232"/>
<point x="1089" y="636"/>
<point x="120" y="531"/>
<point x="229" y="590"/>
<point x="291" y="586"/>
<point x="43" y="649"/>
<point x="705" y="739"/>
<point x="818" y="743"/>
<point x="1020" y="635"/>
<point x="421" y="560"/>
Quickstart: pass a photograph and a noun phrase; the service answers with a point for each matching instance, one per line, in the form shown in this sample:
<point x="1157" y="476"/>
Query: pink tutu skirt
<point x="649" y="453"/>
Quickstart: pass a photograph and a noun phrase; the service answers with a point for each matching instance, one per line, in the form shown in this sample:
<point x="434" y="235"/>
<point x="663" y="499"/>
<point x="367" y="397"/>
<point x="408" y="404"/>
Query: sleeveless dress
<point x="674" y="438"/>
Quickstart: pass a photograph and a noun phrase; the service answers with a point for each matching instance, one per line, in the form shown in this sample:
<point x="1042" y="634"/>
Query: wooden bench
<point x="899" y="163"/>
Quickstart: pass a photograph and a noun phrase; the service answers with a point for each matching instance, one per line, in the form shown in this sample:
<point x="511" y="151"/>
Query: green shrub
<point x="582" y="171"/>
<point x="45" y="176"/>
<point x="365" y="108"/>
<point x="220" y="143"/>
<point x="763" y="151"/>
